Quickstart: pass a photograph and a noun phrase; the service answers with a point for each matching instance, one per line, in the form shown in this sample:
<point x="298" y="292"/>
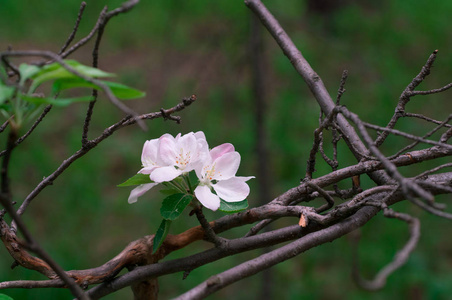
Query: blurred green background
<point x="172" y="49"/>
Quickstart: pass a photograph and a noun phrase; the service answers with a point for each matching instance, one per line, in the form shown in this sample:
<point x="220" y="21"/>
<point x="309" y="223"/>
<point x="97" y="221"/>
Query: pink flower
<point x="218" y="173"/>
<point x="167" y="157"/>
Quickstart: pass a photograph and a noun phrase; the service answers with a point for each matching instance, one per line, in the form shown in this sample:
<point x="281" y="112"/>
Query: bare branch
<point x="405" y="97"/>
<point x="312" y="79"/>
<point x="283" y="253"/>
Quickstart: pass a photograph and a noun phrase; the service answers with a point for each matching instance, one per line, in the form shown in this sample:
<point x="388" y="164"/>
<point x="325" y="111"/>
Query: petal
<point x="164" y="174"/>
<point x="147" y="170"/>
<point x="199" y="135"/>
<point x="139" y="191"/>
<point x="243" y="178"/>
<point x="220" y="150"/>
<point x="167" y="151"/>
<point x="232" y="190"/>
<point x="149" y="154"/>
<point x="202" y="154"/>
<point x="187" y="144"/>
<point x="226" y="166"/>
<point x="207" y="198"/>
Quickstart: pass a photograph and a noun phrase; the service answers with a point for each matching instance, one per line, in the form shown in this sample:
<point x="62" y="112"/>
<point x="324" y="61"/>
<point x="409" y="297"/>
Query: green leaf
<point x="56" y="71"/>
<point x="233" y="207"/>
<point x="27" y="71"/>
<point x="136" y="180"/>
<point x="121" y="91"/>
<point x="6" y="92"/>
<point x="5" y="297"/>
<point x="3" y="71"/>
<point x="56" y="102"/>
<point x="161" y="234"/>
<point x="174" y="205"/>
<point x="168" y="192"/>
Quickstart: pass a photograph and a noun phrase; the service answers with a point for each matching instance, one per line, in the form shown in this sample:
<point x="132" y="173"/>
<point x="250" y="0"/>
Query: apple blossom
<point x="218" y="173"/>
<point x="167" y="157"/>
<point x="179" y="155"/>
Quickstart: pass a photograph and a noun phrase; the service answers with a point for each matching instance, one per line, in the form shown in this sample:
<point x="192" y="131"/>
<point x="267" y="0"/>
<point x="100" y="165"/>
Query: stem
<point x="187" y="181"/>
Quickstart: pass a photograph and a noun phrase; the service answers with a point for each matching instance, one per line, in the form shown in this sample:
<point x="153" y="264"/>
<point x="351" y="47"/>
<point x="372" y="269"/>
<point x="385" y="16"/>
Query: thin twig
<point x="399" y="259"/>
<point x="341" y="89"/>
<point x="422" y="117"/>
<point x="74" y="31"/>
<point x="405" y="98"/>
<point x="32" y="128"/>
<point x="210" y="234"/>
<point x="86" y="39"/>
<point x="329" y="200"/>
<point x="406" y="184"/>
<point x="430" y="133"/>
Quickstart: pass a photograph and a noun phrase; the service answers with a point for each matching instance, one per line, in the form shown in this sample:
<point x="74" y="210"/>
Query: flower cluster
<point x="167" y="158"/>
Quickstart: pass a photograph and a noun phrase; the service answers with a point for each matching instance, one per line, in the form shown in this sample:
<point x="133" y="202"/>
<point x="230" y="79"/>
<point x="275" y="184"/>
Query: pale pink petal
<point x="220" y="150"/>
<point x="203" y="155"/>
<point x="245" y="178"/>
<point x="232" y="190"/>
<point x="187" y="145"/>
<point x="226" y="166"/>
<point x="207" y="198"/>
<point x="167" y="151"/>
<point x="139" y="191"/>
<point x="149" y="154"/>
<point x="147" y="170"/>
<point x="199" y="135"/>
<point x="164" y="174"/>
<point x="199" y="171"/>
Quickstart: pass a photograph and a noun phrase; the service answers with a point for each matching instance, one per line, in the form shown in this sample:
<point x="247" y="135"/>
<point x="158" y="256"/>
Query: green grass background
<point x="172" y="49"/>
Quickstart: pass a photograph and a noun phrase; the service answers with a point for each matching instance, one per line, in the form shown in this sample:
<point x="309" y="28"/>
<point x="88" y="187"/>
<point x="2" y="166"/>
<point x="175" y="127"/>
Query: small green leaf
<point x="26" y="71"/>
<point x="136" y="180"/>
<point x="6" y="92"/>
<point x="56" y="71"/>
<point x="161" y="234"/>
<point x="5" y="297"/>
<point x="174" y="205"/>
<point x="56" y="102"/>
<point x="121" y="91"/>
<point x="233" y="207"/>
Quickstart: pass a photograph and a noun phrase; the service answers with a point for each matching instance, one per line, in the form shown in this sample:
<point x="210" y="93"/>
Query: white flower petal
<point x="232" y="190"/>
<point x="164" y="174"/>
<point x="202" y="155"/>
<point x="187" y="146"/>
<point x="147" y="170"/>
<point x="226" y="166"/>
<point x="220" y="150"/>
<point x="139" y="191"/>
<point x="199" y="135"/>
<point x="149" y="154"/>
<point x="167" y="151"/>
<point x="207" y="198"/>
